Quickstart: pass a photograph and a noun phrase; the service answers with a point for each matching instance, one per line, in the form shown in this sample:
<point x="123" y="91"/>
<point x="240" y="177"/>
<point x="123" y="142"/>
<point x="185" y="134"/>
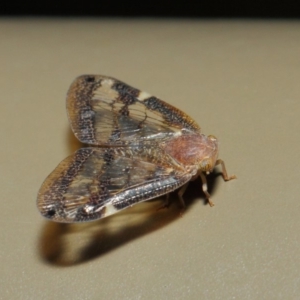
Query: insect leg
<point x="204" y="188"/>
<point x="224" y="172"/>
<point x="180" y="194"/>
<point x="167" y="202"/>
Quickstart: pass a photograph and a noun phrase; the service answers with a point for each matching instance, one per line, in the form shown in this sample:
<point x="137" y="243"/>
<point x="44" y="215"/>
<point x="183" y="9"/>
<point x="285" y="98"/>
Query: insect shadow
<point x="63" y="244"/>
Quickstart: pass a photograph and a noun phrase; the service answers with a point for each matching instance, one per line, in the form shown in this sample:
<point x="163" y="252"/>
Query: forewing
<point x="96" y="182"/>
<point x="106" y="111"/>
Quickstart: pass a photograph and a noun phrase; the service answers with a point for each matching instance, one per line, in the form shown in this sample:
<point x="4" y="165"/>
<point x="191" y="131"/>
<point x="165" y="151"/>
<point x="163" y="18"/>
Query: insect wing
<point x="105" y="111"/>
<point x="96" y="182"/>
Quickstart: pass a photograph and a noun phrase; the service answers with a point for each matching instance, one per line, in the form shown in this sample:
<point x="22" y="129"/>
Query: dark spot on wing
<point x="127" y="94"/>
<point x="124" y="88"/>
<point x="153" y="103"/>
<point x="108" y="156"/>
<point x="50" y="213"/>
<point x="124" y="111"/>
<point x="90" y="79"/>
<point x="127" y="99"/>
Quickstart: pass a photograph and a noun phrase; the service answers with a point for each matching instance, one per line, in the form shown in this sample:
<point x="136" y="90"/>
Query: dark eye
<point x="90" y="79"/>
<point x="50" y="213"/>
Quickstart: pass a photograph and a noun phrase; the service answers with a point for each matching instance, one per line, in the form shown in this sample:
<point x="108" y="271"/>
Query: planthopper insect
<point x="142" y="148"/>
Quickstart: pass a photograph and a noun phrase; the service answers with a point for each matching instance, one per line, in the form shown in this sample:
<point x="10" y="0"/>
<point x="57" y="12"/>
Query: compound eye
<point x="206" y="165"/>
<point x="212" y="137"/>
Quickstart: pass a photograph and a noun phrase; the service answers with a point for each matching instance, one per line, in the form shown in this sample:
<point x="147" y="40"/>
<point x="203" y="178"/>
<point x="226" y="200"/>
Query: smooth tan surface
<point x="238" y="79"/>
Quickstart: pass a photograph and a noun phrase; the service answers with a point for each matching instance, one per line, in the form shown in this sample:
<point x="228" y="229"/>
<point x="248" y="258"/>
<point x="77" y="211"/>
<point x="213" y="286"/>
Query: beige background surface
<point x="238" y="79"/>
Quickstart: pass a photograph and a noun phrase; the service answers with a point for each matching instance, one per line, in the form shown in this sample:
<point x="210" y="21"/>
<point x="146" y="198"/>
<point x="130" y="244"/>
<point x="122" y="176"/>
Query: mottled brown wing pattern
<point x="105" y="111"/>
<point x="96" y="182"/>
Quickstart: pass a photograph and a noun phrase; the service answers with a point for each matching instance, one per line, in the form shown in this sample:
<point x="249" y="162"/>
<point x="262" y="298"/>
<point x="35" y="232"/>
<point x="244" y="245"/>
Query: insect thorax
<point x="194" y="149"/>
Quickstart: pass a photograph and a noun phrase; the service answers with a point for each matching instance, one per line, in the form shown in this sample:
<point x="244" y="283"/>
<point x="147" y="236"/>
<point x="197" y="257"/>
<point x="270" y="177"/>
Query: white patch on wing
<point x="108" y="82"/>
<point x="109" y="209"/>
<point x="105" y="93"/>
<point x="143" y="95"/>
